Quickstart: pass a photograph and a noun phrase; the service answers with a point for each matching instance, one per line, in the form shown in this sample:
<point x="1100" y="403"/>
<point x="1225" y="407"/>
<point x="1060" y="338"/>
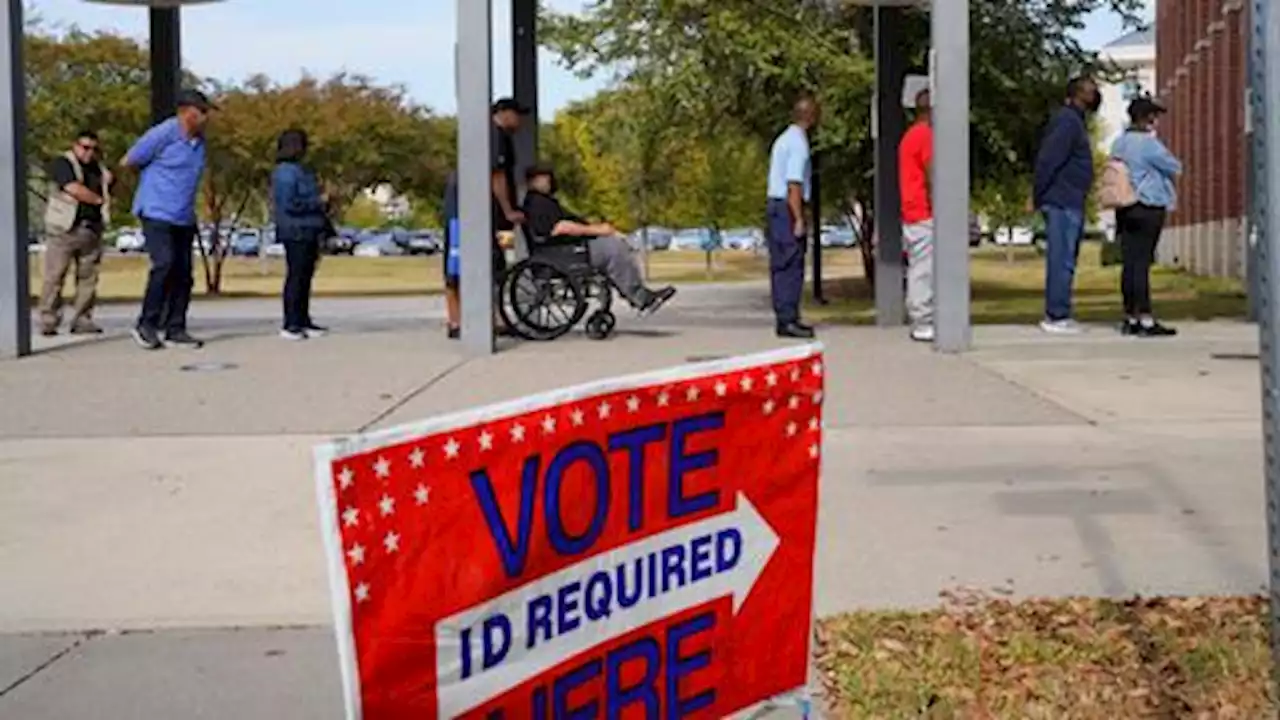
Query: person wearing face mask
<point x="1152" y="170"/>
<point x="1063" y="180"/>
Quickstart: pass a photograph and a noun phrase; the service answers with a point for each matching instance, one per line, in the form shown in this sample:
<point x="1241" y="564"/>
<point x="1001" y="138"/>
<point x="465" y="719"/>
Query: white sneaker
<point x="293" y="335"/>
<point x="1061" y="327"/>
<point x="922" y="333"/>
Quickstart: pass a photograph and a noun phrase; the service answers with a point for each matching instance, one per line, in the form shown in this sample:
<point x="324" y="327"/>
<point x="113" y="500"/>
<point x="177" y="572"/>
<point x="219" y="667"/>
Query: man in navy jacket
<point x="1064" y="177"/>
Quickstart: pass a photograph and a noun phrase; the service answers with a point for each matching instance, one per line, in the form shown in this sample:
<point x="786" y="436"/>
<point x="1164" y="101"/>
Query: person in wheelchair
<point x="548" y="223"/>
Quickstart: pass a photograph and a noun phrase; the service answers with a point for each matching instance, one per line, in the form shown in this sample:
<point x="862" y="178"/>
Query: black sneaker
<point x="655" y="299"/>
<point x="453" y="332"/>
<point x="1130" y="327"/>
<point x="797" y="331"/>
<point x="146" y="338"/>
<point x="181" y="339"/>
<point x="1155" y="330"/>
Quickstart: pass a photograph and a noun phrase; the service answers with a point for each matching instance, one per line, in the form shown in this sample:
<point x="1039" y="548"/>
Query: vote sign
<point x="640" y="547"/>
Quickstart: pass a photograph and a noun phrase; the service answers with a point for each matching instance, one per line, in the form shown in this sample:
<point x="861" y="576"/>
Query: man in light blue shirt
<point x="790" y="179"/>
<point x="171" y="156"/>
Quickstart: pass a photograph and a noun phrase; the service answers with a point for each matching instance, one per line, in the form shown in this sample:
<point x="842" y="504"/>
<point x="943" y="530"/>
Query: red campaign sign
<point x="635" y="548"/>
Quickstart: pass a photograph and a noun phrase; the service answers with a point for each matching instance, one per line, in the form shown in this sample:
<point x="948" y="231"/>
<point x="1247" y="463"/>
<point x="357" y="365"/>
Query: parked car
<point x="246" y="243"/>
<point x="701" y="239"/>
<point x="130" y="240"/>
<point x="344" y="243"/>
<point x="274" y="250"/>
<point x="834" y="236"/>
<point x="659" y="238"/>
<point x="423" y="242"/>
<point x="743" y="239"/>
<point x="378" y="245"/>
<point x="1014" y="236"/>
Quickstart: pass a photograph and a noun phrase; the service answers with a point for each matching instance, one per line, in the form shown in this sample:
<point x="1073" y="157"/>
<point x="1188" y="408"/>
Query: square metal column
<point x="951" y="175"/>
<point x="15" y="312"/>
<point x="524" y="76"/>
<point x="475" y="193"/>
<point x="166" y="61"/>
<point x="889" y="125"/>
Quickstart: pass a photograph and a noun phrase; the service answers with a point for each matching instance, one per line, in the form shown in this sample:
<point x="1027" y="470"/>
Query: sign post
<point x="636" y="547"/>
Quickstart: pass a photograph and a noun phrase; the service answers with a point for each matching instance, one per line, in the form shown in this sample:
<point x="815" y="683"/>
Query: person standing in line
<point x="171" y="157"/>
<point x="452" y="301"/>
<point x="790" y="176"/>
<point x="1063" y="180"/>
<point x="79" y="207"/>
<point x="915" y="167"/>
<point x="1152" y="170"/>
<point x="301" y="220"/>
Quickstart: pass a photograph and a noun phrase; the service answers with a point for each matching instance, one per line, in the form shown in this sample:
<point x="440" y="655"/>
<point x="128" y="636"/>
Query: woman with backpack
<point x="1142" y="171"/>
<point x="301" y="217"/>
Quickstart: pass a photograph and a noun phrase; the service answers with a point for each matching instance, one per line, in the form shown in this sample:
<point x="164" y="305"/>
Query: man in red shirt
<point x="915" y="165"/>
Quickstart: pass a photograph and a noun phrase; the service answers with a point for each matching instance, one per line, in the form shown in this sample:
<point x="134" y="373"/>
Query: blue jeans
<point x="1063" y="229"/>
<point x="168" y="293"/>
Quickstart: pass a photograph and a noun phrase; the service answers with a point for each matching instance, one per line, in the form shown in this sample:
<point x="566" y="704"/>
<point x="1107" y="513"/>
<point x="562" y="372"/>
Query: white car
<point x="275" y="249"/>
<point x="130" y="241"/>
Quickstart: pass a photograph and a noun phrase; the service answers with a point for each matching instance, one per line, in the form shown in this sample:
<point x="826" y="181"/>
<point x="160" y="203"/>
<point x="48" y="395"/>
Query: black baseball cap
<point x="1145" y="107"/>
<point x="537" y="171"/>
<point x="506" y="103"/>
<point x="195" y="99"/>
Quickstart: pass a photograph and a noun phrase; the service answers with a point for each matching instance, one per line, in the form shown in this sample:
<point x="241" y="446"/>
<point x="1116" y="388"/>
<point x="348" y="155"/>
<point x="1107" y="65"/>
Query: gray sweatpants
<point x="614" y="257"/>
<point x="918" y="238"/>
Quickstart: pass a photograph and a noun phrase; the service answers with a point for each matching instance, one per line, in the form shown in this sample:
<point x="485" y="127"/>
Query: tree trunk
<point x="866" y="244"/>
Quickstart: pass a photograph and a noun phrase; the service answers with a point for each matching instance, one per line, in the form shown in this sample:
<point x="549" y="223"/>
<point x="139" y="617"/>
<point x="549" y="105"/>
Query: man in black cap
<point x="171" y="156"/>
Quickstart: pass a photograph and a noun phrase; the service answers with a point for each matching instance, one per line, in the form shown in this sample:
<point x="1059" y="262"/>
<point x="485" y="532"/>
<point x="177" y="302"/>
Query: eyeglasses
<point x="88" y="148"/>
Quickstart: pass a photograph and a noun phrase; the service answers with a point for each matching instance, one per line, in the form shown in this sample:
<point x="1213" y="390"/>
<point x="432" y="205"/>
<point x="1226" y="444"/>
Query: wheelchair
<point x="550" y="292"/>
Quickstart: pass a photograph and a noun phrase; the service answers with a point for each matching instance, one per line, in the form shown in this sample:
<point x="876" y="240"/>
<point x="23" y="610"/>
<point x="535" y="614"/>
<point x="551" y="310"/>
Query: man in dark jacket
<point x="1064" y="177"/>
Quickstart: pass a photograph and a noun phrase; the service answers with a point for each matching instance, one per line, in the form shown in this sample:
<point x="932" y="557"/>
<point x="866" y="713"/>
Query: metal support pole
<point x="524" y="77"/>
<point x="15" y="315"/>
<point x="951" y="176"/>
<point x="815" y="203"/>
<point x="166" y="61"/>
<point x="475" y="195"/>
<point x="1264" y="79"/>
<point x="890" y="123"/>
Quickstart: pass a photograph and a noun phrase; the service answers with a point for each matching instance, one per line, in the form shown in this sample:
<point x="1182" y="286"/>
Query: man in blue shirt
<point x="1064" y="177"/>
<point x="171" y="156"/>
<point x="790" y="177"/>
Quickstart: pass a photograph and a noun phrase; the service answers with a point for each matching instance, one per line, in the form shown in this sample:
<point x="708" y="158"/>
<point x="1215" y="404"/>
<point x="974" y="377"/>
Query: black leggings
<point x="301" y="257"/>
<point x="1138" y="229"/>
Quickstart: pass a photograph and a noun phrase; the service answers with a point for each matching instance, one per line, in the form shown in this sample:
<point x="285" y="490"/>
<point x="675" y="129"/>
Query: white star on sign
<point x="578" y="417"/>
<point x="391" y="542"/>
<point x="792" y="429"/>
<point x="746" y="383"/>
<point x="813" y="424"/>
<point x="768" y="407"/>
<point x="382" y="467"/>
<point x="417" y="458"/>
<point x="351" y="517"/>
<point x="813" y="451"/>
<point x="451" y="449"/>
<point x="356" y="553"/>
<point x="816" y="367"/>
<point x="346" y="478"/>
<point x="693" y="393"/>
<point x="422" y="495"/>
<point x="795" y="374"/>
<point x="517" y="433"/>
<point x="664" y="399"/>
<point x="633" y="404"/>
<point x="721" y="389"/>
<point x="771" y="379"/>
<point x="604" y="410"/>
<point x="387" y="505"/>
<point x="817" y="398"/>
<point x="486" y="440"/>
<point x="548" y="425"/>
<point x="362" y="593"/>
<point x="794" y="402"/>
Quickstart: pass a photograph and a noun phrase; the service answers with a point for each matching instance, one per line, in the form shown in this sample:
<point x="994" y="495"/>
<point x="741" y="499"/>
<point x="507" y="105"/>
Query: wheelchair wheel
<point x="600" y="325"/>
<point x="542" y="301"/>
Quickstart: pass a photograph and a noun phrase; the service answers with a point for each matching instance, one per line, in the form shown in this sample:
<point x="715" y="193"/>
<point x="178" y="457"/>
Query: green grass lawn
<point x="1008" y="287"/>
<point x="1071" y="658"/>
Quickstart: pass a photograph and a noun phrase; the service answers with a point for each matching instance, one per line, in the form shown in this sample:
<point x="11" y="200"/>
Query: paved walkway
<point x="161" y="494"/>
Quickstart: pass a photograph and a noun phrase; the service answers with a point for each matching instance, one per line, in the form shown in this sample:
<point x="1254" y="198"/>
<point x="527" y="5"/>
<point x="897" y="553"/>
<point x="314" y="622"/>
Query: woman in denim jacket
<point x="1152" y="171"/>
<point x="301" y="219"/>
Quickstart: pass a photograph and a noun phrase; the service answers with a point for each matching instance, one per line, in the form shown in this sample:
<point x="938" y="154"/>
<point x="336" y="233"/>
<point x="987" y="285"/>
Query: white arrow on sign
<point x="456" y="695"/>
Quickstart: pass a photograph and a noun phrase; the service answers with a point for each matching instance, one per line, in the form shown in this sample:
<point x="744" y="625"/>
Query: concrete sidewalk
<point x="138" y="495"/>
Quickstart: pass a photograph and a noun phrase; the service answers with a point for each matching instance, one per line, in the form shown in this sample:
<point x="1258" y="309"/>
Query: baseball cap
<point x="195" y="99"/>
<point x="538" y="171"/>
<point x="512" y="104"/>
<point x="1145" y="107"/>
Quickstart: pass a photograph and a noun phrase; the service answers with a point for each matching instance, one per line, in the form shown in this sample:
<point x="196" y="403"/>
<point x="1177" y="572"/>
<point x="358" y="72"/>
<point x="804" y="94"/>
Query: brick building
<point x="1201" y="56"/>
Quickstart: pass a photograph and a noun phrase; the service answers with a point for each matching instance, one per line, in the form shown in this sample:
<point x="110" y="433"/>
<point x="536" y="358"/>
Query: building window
<point x="1131" y="88"/>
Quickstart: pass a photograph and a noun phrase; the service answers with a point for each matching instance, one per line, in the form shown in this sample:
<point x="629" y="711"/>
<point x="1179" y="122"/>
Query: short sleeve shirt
<point x="790" y="162"/>
<point x="542" y="214"/>
<point x="64" y="174"/>
<point x="502" y="158"/>
<point x="915" y="154"/>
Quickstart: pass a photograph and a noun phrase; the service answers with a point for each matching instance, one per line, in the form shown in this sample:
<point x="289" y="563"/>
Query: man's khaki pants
<point x="83" y="248"/>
